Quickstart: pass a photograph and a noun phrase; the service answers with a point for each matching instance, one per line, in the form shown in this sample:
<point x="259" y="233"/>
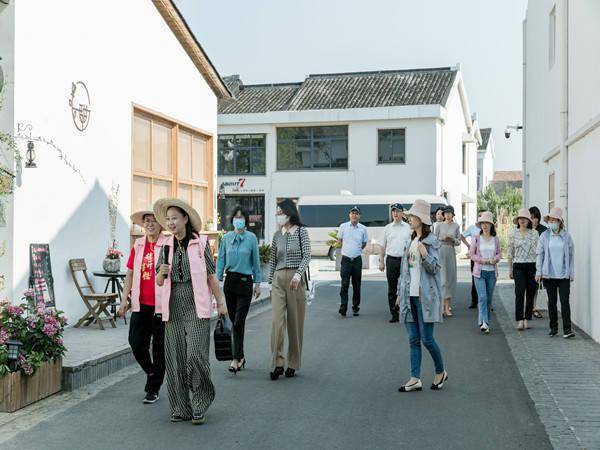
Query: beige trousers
<point x="287" y="307"/>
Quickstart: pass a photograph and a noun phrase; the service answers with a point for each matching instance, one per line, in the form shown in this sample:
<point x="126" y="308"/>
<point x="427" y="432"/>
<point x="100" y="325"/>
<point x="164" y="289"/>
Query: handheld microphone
<point x="165" y="258"/>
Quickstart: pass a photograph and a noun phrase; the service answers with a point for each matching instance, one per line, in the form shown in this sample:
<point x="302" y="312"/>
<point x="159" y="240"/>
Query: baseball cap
<point x="355" y="209"/>
<point x="397" y="206"/>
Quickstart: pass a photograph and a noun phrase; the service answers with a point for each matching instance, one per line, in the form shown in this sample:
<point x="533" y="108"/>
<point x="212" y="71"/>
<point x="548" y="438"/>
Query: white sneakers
<point x="520" y="325"/>
<point x="485" y="328"/>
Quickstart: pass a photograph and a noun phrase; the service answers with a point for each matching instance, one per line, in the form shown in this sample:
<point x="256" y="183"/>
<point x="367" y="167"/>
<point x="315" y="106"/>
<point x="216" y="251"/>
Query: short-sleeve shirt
<point x="396" y="238"/>
<point x="147" y="294"/>
<point x="471" y="231"/>
<point x="353" y="237"/>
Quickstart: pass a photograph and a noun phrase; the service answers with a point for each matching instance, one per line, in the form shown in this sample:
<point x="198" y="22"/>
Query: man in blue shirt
<point x="353" y="237"/>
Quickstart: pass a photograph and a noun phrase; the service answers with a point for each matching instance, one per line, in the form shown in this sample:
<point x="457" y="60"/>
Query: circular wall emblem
<point x="80" y="105"/>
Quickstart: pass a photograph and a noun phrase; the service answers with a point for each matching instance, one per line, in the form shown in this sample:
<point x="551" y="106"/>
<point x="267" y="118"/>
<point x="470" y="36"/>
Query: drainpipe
<point x="564" y="110"/>
<point x="524" y="115"/>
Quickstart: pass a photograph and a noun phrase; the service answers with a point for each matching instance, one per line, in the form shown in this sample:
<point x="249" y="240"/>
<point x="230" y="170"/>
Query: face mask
<point x="553" y="226"/>
<point x="239" y="223"/>
<point x="282" y="220"/>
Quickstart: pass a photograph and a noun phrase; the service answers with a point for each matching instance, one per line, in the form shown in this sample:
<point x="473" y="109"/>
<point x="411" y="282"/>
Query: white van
<point x="323" y="214"/>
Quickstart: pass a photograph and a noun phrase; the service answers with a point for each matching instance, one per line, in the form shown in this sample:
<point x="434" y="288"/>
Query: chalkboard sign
<point x="40" y="278"/>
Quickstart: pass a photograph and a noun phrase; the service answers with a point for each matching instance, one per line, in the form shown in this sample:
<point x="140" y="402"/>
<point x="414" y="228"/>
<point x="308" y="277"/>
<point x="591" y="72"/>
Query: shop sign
<point x="239" y="186"/>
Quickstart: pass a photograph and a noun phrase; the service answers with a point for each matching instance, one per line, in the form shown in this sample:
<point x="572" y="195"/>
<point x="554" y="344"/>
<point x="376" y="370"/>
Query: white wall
<point x="453" y="180"/>
<point x="6" y="158"/>
<point x="125" y="55"/>
<point x="542" y="115"/>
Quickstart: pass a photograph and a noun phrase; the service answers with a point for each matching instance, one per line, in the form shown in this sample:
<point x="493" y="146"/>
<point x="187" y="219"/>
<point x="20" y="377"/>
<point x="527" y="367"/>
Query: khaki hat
<point x="422" y="210"/>
<point x="138" y="217"/>
<point x="485" y="216"/>
<point x="162" y="205"/>
<point x="522" y="214"/>
<point x="555" y="213"/>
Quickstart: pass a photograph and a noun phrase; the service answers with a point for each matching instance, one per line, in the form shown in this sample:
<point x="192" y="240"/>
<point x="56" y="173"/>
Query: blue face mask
<point x="239" y="223"/>
<point x="553" y="226"/>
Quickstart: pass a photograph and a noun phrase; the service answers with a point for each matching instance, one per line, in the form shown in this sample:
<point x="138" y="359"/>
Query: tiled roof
<point x="343" y="91"/>
<point x="508" y="175"/>
<point x="485" y="137"/>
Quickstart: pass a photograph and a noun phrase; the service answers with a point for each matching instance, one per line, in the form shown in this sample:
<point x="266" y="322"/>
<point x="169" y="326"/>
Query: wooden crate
<point x="18" y="390"/>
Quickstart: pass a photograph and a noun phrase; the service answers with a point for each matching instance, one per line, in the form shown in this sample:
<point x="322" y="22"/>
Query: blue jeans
<point x="485" y="292"/>
<point x="419" y="331"/>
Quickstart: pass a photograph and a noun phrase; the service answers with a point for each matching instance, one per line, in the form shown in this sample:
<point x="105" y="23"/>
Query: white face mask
<point x="282" y="220"/>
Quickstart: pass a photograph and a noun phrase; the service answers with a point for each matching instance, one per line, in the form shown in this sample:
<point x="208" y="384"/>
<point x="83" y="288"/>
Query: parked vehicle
<point x="323" y="214"/>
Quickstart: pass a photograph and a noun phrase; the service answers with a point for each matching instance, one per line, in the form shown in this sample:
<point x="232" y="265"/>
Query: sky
<point x="274" y="41"/>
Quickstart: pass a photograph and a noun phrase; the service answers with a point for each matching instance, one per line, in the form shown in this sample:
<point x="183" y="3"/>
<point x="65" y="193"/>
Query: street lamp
<point x="13" y="352"/>
<point x="30" y="154"/>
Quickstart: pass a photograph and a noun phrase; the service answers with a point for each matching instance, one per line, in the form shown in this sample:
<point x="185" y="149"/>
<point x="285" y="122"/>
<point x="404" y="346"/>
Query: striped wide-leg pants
<point x="187" y="345"/>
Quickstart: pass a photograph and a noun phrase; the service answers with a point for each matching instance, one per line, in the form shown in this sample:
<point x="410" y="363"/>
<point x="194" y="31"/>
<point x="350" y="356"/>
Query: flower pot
<point x="111" y="265"/>
<point x="18" y="390"/>
<point x="338" y="259"/>
<point x="265" y="268"/>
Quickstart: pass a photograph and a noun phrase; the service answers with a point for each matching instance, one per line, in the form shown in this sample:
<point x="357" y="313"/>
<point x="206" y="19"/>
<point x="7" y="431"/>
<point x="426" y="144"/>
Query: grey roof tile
<point x="344" y="91"/>
<point x="485" y="137"/>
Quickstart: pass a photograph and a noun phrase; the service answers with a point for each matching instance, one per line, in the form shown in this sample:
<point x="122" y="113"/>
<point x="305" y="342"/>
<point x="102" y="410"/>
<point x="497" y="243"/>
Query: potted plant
<point x="264" y="251"/>
<point x="112" y="260"/>
<point x="31" y="350"/>
<point x="335" y="249"/>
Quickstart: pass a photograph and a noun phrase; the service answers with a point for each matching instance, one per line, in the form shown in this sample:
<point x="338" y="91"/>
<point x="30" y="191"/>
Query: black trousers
<point x="238" y="296"/>
<point x="392" y="272"/>
<point x="351" y="269"/>
<point x="146" y="327"/>
<point x="525" y="287"/>
<point x="474" y="297"/>
<point x="563" y="287"/>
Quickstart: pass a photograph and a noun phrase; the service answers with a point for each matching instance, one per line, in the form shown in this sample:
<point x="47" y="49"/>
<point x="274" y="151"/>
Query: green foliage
<point x="264" y="251"/>
<point x="333" y="242"/>
<point x="508" y="202"/>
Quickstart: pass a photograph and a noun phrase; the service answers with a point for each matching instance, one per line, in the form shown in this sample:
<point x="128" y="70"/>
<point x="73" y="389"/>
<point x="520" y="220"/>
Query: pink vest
<point x="202" y="295"/>
<point x="138" y="248"/>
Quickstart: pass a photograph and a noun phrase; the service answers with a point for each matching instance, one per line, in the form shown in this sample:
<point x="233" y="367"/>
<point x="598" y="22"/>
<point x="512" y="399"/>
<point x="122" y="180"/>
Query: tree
<point x="509" y="201"/>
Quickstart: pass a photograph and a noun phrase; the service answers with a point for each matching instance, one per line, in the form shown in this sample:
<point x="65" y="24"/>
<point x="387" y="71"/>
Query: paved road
<point x="344" y="397"/>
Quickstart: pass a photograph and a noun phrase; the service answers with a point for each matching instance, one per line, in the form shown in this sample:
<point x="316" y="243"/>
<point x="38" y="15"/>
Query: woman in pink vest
<point x="146" y="324"/>
<point x="186" y="279"/>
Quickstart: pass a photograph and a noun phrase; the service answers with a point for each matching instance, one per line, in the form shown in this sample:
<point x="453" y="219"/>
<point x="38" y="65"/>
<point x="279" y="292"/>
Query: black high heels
<point x="276" y="373"/>
<point x="289" y="373"/>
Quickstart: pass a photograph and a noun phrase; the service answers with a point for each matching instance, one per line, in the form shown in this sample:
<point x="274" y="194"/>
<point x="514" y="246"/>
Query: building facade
<point x="485" y="160"/>
<point x="122" y="114"/>
<point x="562" y="133"/>
<point x="392" y="132"/>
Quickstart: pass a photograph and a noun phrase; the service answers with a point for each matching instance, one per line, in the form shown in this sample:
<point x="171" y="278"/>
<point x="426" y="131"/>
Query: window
<point x="254" y="204"/>
<point x="331" y="216"/>
<point x="312" y="148"/>
<point x="392" y="146"/>
<point x="170" y="160"/>
<point x="552" y="38"/>
<point x="551" y="188"/>
<point x="464" y="158"/>
<point x="242" y="154"/>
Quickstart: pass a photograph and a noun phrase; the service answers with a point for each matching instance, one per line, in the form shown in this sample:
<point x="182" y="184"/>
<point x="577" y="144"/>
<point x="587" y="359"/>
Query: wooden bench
<point x="96" y="303"/>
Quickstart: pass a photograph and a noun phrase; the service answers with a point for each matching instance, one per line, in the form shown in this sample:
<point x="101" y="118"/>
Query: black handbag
<point x="306" y="274"/>
<point x="223" y="336"/>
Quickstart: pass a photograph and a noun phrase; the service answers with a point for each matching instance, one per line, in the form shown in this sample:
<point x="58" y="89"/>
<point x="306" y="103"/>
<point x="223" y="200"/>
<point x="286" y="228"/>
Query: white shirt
<point x="471" y="231"/>
<point x="353" y="237"/>
<point x="414" y="267"/>
<point x="488" y="251"/>
<point x="396" y="237"/>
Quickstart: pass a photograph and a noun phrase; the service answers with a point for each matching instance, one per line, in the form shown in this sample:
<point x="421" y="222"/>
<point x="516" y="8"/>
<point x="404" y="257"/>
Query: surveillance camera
<point x="507" y="133"/>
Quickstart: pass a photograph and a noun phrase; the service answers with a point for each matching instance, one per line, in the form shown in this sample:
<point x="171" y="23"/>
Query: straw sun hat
<point x="138" y="217"/>
<point x="421" y="209"/>
<point x="555" y="213"/>
<point x="160" y="212"/>
<point x="522" y="214"/>
<point x="485" y="216"/>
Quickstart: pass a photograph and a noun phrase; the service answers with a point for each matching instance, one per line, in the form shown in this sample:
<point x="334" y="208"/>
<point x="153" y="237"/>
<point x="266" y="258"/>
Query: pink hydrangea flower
<point x="59" y="341"/>
<point x="3" y="336"/>
<point x="29" y="293"/>
<point x="14" y="311"/>
<point x="49" y="330"/>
